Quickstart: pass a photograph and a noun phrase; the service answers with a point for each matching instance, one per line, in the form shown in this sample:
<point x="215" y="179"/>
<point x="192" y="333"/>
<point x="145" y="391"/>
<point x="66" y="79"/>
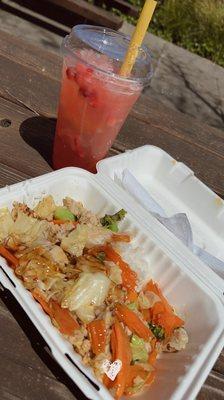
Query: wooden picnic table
<point x="29" y="87"/>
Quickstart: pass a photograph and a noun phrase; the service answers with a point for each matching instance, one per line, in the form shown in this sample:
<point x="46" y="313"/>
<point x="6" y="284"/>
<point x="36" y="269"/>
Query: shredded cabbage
<point x="86" y="313"/>
<point x="27" y="229"/>
<point x="75" y="242"/>
<point x="90" y="288"/>
<point x="6" y="223"/>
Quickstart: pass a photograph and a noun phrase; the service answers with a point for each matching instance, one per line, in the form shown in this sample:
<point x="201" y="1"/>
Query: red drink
<point x="94" y="104"/>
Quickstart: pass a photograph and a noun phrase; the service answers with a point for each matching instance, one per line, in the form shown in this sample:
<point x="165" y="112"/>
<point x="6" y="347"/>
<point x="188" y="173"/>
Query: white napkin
<point x="178" y="224"/>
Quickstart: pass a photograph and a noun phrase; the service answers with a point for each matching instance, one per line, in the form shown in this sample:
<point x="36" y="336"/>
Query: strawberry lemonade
<point x="94" y="104"/>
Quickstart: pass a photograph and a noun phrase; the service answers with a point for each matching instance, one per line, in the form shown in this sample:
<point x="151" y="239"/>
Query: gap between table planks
<point x="33" y="81"/>
<point x="66" y="12"/>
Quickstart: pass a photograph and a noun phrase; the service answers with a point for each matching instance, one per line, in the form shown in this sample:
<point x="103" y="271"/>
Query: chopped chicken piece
<point x="75" y="242"/>
<point x="45" y="208"/>
<point x="77" y="338"/>
<point x="58" y="255"/>
<point x="89" y="218"/>
<point x="23" y="208"/>
<point x="97" y="235"/>
<point x="85" y="216"/>
<point x="84" y="236"/>
<point x="178" y="340"/>
<point x="76" y="207"/>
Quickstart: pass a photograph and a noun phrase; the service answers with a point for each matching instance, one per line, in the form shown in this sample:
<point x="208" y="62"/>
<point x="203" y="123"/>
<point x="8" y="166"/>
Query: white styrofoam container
<point x="175" y="187"/>
<point x="190" y="286"/>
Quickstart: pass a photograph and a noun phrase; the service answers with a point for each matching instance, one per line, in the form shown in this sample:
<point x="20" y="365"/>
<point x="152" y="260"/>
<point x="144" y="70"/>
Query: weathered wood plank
<point x="23" y="356"/>
<point x="9" y="176"/>
<point x="24" y="86"/>
<point x="38" y="132"/>
<point x="28" y="55"/>
<point x="89" y="11"/>
<point x="159" y="118"/>
<point x="15" y="324"/>
<point x="219" y="365"/>
<point x="28" y="384"/>
<point x="180" y="126"/>
<point x="213" y="389"/>
<point x="26" y="145"/>
<point x="71" y="12"/>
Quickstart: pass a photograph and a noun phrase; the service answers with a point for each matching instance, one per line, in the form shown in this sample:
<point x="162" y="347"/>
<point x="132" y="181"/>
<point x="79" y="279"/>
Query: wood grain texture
<point x="29" y="90"/>
<point x="25" y="357"/>
<point x="26" y="145"/>
<point x="213" y="389"/>
<point x="28" y="55"/>
<point x="71" y="12"/>
<point x="34" y="81"/>
<point x="89" y="11"/>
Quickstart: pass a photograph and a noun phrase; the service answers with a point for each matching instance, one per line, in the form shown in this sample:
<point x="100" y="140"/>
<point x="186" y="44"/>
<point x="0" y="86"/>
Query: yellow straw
<point x="137" y="37"/>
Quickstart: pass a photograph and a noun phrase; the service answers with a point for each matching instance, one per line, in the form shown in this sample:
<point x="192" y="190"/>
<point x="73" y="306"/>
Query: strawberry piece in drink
<point x="94" y="103"/>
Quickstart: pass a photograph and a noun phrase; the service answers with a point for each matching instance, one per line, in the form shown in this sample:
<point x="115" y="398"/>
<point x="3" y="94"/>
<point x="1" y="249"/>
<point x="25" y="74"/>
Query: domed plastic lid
<point x="112" y="44"/>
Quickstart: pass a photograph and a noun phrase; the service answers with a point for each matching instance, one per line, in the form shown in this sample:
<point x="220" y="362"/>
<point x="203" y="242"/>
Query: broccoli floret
<point x="157" y="330"/>
<point x="110" y="221"/>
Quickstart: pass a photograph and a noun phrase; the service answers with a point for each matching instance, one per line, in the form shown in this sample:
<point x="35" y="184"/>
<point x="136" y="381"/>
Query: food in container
<point x="79" y="268"/>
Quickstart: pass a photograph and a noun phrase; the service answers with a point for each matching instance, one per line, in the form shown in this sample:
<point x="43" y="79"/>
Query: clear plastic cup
<point x="94" y="99"/>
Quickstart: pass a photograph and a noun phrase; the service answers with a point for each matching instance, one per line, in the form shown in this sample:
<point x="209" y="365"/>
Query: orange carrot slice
<point x="133" y="322"/>
<point x="146" y="314"/>
<point x="151" y="378"/>
<point x="40" y="298"/>
<point x="113" y="344"/>
<point x="162" y="312"/>
<point x="66" y="322"/>
<point x="152" y="357"/>
<point x="121" y="237"/>
<point x="123" y="353"/>
<point x="132" y="296"/>
<point x="134" y="371"/>
<point x="97" y="331"/>
<point x="169" y="321"/>
<point x="12" y="260"/>
<point x="129" y="277"/>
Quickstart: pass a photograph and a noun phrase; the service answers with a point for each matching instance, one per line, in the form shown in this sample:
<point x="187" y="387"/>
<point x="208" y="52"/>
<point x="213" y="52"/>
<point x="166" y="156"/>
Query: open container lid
<point x="176" y="189"/>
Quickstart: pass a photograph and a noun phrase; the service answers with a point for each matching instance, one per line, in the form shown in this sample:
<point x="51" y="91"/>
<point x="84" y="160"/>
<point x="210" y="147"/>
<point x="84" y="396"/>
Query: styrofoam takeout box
<point x="191" y="287"/>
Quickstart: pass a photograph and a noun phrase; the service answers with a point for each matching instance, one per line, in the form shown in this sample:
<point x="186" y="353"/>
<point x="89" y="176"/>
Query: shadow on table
<point x="38" y="343"/>
<point x="38" y="132"/>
